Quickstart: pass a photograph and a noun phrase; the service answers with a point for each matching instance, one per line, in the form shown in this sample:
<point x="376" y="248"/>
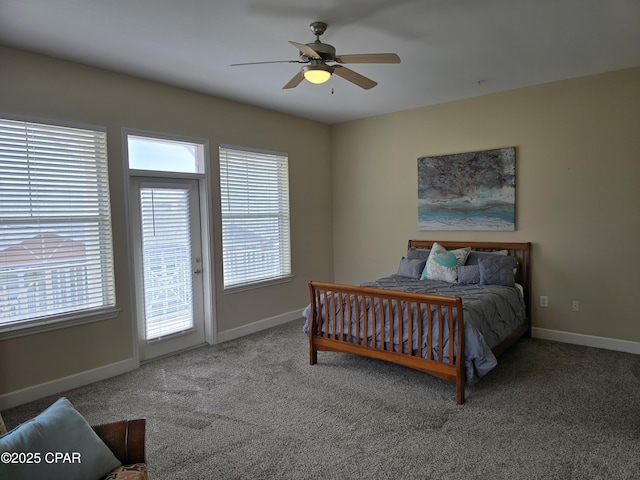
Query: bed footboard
<point x="409" y="329"/>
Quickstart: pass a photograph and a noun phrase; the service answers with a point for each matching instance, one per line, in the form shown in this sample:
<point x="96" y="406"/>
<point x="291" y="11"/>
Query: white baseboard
<point x="258" y="326"/>
<point x="52" y="387"/>
<point x="30" y="394"/>
<point x="587" y="340"/>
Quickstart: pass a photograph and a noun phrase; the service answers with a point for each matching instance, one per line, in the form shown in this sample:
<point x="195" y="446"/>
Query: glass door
<point x="169" y="266"/>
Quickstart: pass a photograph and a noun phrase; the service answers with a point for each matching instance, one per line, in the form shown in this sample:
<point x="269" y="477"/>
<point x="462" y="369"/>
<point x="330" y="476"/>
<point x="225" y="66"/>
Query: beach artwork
<point x="468" y="191"/>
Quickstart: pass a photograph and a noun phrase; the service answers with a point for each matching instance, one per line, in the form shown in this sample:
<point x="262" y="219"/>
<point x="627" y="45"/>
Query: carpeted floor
<point x="254" y="408"/>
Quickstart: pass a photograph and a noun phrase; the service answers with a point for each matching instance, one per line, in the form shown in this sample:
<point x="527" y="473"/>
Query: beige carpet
<point x="253" y="408"/>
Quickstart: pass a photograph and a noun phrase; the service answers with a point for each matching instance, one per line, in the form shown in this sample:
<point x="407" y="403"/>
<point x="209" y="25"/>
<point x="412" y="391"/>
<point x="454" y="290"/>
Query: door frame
<point x="205" y="202"/>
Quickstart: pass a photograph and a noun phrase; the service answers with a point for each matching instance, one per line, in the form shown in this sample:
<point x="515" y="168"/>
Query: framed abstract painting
<point x="468" y="191"/>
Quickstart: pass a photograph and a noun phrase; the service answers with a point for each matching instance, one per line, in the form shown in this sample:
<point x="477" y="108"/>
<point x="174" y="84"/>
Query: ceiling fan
<point x="316" y="55"/>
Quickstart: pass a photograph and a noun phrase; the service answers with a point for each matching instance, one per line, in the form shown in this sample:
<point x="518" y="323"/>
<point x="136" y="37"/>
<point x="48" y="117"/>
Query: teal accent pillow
<point x="60" y="445"/>
<point x="443" y="264"/>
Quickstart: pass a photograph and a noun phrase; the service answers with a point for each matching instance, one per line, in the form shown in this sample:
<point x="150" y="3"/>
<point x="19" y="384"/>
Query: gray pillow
<point x="421" y="253"/>
<point x="469" y="274"/>
<point x="475" y="256"/>
<point x="411" y="267"/>
<point x="498" y="270"/>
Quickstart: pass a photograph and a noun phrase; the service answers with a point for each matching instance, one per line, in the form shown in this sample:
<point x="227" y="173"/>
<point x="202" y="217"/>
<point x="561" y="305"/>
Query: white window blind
<point x="255" y="216"/>
<point x="55" y="222"/>
<point x="166" y="256"/>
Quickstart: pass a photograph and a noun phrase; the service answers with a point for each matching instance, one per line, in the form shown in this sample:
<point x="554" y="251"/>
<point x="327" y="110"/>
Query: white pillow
<point x="443" y="264"/>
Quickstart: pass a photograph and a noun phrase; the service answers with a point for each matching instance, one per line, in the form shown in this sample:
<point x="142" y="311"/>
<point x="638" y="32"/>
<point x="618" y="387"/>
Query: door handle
<point x="198" y="271"/>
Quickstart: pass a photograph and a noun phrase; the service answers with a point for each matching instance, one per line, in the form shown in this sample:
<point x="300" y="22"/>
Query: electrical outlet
<point x="544" y="301"/>
<point x="575" y="306"/>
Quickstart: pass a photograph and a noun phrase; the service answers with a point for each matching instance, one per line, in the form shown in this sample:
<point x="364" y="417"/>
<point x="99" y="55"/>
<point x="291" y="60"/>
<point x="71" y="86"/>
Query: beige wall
<point x="44" y="87"/>
<point x="578" y="173"/>
<point x="577" y="191"/>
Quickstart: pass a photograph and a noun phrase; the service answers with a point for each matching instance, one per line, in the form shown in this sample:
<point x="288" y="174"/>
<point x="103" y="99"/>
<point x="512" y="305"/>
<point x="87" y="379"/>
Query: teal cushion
<point x="60" y="445"/>
<point x="443" y="264"/>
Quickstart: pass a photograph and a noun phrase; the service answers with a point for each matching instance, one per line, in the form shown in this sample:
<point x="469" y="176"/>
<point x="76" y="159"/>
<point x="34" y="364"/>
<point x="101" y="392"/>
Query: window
<point x="55" y="224"/>
<point x="254" y="189"/>
<point x="164" y="155"/>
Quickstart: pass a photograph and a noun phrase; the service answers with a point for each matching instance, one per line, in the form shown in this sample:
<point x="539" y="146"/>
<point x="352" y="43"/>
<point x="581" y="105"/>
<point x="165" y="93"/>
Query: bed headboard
<point x="520" y="250"/>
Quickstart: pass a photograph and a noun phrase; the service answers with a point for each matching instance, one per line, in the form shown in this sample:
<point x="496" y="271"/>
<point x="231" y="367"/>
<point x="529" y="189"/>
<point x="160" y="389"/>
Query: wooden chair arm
<point x="125" y="438"/>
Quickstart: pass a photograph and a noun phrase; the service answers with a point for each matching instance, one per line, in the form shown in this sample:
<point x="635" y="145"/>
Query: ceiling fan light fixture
<point x="317" y="73"/>
<point x="317" y="54"/>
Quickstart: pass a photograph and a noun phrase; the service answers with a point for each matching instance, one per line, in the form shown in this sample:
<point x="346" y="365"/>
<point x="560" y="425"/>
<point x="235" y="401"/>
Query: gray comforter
<point x="491" y="313"/>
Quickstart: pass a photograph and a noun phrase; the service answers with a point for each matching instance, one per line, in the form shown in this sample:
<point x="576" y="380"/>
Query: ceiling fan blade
<point x="306" y="49"/>
<point x="259" y="63"/>
<point x="354" y="77"/>
<point x="297" y="78"/>
<point x="368" y="58"/>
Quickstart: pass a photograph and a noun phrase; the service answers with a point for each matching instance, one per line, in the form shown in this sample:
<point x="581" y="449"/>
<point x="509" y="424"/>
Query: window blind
<point x="166" y="255"/>
<point x="255" y="216"/>
<point x="55" y="222"/>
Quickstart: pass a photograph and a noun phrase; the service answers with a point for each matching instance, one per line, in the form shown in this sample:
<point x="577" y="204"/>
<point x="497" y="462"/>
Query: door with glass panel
<point x="169" y="266"/>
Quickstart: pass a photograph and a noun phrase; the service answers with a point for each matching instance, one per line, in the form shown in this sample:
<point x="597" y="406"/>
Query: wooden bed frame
<point x="451" y="370"/>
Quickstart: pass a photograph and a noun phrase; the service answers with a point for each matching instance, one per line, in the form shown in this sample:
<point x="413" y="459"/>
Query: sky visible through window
<point x="164" y="155"/>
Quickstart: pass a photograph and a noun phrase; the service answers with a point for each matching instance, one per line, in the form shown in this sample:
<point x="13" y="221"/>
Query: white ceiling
<point x="450" y="49"/>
